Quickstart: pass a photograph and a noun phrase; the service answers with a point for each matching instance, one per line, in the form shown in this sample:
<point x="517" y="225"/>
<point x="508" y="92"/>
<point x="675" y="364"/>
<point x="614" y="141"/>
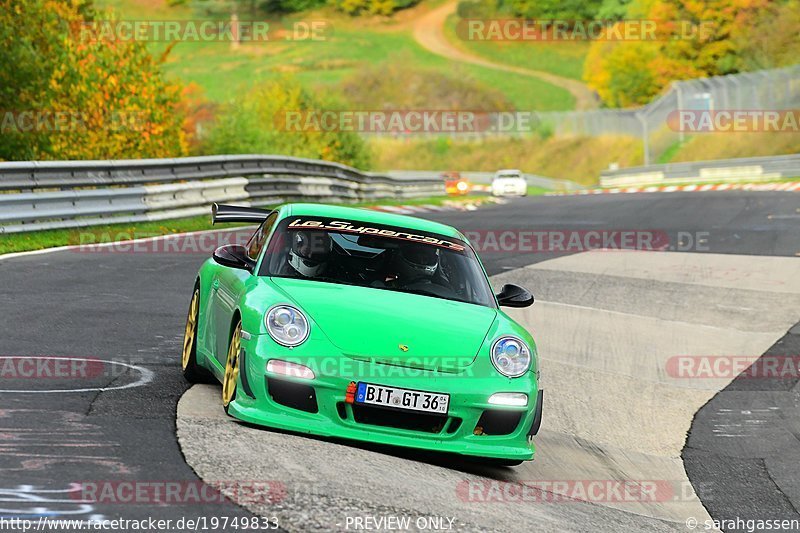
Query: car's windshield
<point x="376" y="256"/>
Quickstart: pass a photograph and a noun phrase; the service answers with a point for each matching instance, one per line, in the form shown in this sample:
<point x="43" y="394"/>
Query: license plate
<point x="410" y="400"/>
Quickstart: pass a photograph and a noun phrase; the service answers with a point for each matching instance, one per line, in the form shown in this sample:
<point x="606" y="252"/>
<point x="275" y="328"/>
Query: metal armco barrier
<point x="486" y="178"/>
<point x="725" y="171"/>
<point x="72" y="194"/>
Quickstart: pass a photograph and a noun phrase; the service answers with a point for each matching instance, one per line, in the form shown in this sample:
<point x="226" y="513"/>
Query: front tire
<point x="232" y="367"/>
<point x="192" y="372"/>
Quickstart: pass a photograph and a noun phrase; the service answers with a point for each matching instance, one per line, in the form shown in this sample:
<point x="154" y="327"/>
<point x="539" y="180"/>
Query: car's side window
<point x="258" y="239"/>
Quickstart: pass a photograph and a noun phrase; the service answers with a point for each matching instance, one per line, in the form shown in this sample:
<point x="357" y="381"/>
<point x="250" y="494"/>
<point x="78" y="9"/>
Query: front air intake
<point x="294" y="395"/>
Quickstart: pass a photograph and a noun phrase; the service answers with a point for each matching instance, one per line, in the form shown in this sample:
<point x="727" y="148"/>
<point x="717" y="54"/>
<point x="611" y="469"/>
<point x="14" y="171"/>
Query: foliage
<point x="352" y="7"/>
<point x="255" y="124"/>
<point x="371" y="7"/>
<point x="564" y="10"/>
<point x="771" y="42"/>
<point x="90" y="98"/>
<point x="693" y="39"/>
<point x="612" y="10"/>
<point x="291" y="6"/>
<point x="477" y="9"/>
<point x="199" y="113"/>
<point x="622" y="75"/>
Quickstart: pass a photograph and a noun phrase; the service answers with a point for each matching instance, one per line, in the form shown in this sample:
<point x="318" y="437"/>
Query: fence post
<point x="680" y="108"/>
<point x="642" y="116"/>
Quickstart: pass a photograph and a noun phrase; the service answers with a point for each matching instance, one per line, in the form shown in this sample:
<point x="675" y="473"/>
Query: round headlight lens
<point x="287" y="325"/>
<point x="511" y="356"/>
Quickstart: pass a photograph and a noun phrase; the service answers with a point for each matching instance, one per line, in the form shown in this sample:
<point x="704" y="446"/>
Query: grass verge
<point x="537" y="191"/>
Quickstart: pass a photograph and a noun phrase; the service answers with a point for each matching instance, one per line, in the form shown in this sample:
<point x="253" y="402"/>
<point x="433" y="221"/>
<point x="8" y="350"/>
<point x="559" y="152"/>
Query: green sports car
<point x="365" y="325"/>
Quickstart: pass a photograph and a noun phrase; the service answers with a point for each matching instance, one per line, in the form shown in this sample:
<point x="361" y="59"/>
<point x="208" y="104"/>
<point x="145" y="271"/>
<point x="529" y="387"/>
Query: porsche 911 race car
<point x="364" y="325"/>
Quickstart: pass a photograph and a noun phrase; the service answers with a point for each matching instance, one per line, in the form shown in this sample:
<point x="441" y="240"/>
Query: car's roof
<point x="509" y="171"/>
<point x="370" y="216"/>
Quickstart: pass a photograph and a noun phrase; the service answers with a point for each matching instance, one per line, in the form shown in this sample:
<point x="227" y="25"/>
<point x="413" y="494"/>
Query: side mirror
<point x="514" y="296"/>
<point x="234" y="256"/>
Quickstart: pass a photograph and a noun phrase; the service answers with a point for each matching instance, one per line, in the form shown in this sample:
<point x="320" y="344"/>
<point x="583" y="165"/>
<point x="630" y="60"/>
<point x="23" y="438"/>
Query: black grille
<point x="497" y="422"/>
<point x="294" y="395"/>
<point x="376" y="416"/>
<point x="455" y="423"/>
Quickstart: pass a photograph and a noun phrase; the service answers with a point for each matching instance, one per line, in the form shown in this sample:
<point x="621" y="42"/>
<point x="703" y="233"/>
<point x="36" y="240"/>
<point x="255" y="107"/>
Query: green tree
<point x="612" y="10"/>
<point x="568" y="10"/>
<point x="371" y="7"/>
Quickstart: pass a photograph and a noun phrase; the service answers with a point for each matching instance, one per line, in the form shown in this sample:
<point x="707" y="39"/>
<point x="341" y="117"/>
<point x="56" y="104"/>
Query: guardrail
<point x="72" y="194"/>
<point x="486" y="178"/>
<point x="724" y="171"/>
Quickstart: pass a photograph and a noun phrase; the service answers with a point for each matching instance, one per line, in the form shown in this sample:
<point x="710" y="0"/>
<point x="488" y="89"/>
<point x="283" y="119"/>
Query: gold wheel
<point x="232" y="367"/>
<point x="191" y="330"/>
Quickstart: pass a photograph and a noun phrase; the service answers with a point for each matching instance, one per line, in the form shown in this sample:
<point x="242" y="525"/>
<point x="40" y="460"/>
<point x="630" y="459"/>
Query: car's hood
<point x="376" y="325"/>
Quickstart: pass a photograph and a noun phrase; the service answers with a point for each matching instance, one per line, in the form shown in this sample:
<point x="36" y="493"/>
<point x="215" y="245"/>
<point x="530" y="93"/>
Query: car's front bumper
<point x="258" y="402"/>
<point x="509" y="189"/>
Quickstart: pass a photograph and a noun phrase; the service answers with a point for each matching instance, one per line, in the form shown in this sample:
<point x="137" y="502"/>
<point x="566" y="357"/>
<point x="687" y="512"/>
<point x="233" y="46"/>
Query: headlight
<point x="287" y="325"/>
<point x="511" y="356"/>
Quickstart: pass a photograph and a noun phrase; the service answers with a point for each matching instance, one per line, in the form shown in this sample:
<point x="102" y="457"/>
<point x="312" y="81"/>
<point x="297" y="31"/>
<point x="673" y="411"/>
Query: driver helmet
<point x="418" y="261"/>
<point x="309" y="252"/>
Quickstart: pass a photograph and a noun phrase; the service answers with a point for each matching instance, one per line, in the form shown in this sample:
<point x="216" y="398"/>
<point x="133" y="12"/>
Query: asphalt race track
<point x="609" y="326"/>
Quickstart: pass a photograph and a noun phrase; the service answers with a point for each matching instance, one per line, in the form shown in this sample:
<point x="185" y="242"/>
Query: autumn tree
<point x="692" y="39"/>
<point x="771" y="42"/>
<point x="72" y="94"/>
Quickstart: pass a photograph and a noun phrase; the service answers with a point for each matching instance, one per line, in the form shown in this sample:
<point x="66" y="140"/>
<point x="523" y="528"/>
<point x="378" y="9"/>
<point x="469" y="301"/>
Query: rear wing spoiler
<point x="237" y="213"/>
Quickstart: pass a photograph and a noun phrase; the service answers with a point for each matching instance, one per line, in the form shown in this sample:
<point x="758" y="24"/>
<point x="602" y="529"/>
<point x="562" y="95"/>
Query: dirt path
<point x="428" y="31"/>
